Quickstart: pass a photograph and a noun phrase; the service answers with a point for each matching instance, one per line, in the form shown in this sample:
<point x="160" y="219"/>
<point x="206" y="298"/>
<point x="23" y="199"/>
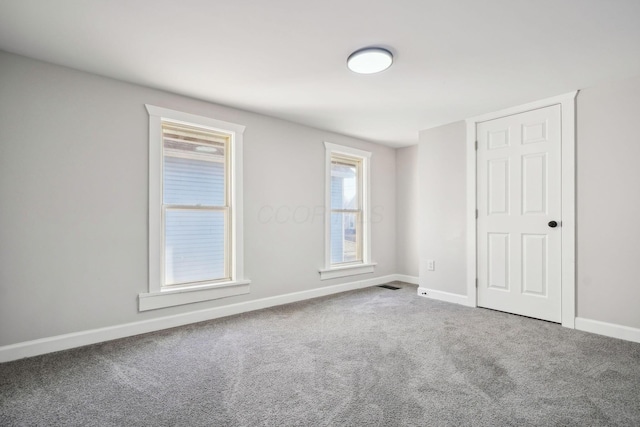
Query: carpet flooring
<point x="370" y="357"/>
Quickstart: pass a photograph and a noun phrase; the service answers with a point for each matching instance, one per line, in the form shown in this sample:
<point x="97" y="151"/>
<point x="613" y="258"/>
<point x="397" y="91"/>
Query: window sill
<point x="188" y="295"/>
<point x="347" y="270"/>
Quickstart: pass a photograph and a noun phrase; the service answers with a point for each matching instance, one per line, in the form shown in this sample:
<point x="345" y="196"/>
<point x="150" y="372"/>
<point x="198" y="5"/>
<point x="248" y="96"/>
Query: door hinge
<point x="476" y="213"/>
<point x="476" y="144"/>
<point x="476" y="282"/>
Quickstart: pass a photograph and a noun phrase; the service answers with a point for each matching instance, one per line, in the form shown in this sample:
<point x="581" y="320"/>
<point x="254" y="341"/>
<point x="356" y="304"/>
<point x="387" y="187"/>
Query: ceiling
<point x="287" y="58"/>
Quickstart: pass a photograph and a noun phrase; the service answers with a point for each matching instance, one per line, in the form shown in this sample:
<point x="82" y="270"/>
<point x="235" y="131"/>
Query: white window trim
<point x="159" y="297"/>
<point x="366" y="266"/>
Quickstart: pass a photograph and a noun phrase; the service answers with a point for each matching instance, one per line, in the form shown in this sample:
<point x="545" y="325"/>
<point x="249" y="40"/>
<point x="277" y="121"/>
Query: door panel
<point x="519" y="255"/>
<point x="534" y="264"/>
<point x="498" y="261"/>
<point x="534" y="184"/>
<point x="498" y="187"/>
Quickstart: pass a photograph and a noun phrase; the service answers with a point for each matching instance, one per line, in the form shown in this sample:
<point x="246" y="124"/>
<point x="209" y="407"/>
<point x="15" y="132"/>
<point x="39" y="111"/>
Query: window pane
<point x="193" y="182"/>
<point x="194" y="246"/>
<point x="194" y="174"/>
<point x="344" y="185"/>
<point x="345" y="239"/>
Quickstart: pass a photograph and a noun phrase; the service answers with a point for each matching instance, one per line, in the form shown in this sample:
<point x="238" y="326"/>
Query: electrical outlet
<point x="431" y="265"/>
<point x="423" y="292"/>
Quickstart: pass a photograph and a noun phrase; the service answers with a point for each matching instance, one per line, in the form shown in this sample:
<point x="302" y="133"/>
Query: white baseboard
<point x="79" y="339"/>
<point x="407" y="279"/>
<point x="443" y="296"/>
<point x="608" y="329"/>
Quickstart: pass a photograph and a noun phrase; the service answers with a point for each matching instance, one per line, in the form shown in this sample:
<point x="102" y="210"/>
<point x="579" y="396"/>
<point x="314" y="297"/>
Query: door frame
<point x="568" y="176"/>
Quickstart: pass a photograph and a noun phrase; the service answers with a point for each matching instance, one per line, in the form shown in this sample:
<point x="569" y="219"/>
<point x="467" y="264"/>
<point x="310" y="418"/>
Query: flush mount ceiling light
<point x="370" y="60"/>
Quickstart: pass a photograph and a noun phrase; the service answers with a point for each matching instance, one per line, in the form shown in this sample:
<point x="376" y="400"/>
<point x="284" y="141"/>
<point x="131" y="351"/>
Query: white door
<point x="519" y="199"/>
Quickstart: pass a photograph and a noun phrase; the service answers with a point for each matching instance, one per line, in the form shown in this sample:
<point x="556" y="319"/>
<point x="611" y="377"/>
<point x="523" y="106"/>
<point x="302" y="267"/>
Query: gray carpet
<point x="368" y="357"/>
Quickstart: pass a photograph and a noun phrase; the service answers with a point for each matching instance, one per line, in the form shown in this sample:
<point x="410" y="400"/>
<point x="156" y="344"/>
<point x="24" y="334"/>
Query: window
<point x="346" y="210"/>
<point x="195" y="205"/>
<point x="195" y="208"/>
<point x="347" y="224"/>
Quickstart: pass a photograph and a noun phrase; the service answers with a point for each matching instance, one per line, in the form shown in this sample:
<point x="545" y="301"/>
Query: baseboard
<point x="93" y="336"/>
<point x="608" y="329"/>
<point x="443" y="296"/>
<point x="407" y="279"/>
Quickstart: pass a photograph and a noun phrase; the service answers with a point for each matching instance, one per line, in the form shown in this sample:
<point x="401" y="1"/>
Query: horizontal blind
<point x="195" y="205"/>
<point x="193" y="182"/>
<point x="194" y="246"/>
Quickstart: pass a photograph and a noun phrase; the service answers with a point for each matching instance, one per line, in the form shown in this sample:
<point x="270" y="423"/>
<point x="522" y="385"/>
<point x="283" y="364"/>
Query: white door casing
<point x="534" y="241"/>
<point x="518" y="195"/>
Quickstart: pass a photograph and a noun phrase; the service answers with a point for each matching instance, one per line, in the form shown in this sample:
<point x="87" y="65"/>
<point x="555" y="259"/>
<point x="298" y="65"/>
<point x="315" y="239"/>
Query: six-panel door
<point x="518" y="195"/>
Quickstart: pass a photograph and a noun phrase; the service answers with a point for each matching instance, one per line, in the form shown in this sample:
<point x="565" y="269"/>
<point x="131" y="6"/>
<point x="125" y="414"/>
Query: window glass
<point x="344" y="185"/>
<point x="195" y="242"/>
<point x="346" y="214"/>
<point x="194" y="202"/>
<point x="345" y="237"/>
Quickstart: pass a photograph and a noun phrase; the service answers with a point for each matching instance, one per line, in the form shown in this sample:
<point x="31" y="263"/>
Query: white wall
<point x="407" y="210"/>
<point x="608" y="203"/>
<point x="73" y="201"/>
<point x="442" y="207"/>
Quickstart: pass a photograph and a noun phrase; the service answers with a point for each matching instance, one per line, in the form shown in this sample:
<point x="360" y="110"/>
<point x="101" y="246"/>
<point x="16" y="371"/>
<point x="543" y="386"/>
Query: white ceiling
<point x="287" y="58"/>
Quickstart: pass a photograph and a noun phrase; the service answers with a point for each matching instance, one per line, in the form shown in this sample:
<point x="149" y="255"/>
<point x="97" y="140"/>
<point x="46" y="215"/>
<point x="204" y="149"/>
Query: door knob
<point x="553" y="224"/>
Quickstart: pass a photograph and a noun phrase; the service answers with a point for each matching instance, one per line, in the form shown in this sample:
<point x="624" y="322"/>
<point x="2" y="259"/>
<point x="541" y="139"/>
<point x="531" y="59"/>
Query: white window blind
<point x="195" y="205"/>
<point x="195" y="210"/>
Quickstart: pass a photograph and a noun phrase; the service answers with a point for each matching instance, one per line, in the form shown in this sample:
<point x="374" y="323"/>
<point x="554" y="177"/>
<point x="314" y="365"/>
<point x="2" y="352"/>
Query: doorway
<point x="521" y="238"/>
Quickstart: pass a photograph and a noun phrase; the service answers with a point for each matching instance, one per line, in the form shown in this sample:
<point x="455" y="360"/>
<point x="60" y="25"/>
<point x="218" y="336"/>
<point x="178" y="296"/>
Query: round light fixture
<point x="370" y="60"/>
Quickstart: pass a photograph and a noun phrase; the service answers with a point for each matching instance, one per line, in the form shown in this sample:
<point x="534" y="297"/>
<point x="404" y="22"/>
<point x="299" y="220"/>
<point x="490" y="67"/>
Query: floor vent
<point x="393" y="288"/>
